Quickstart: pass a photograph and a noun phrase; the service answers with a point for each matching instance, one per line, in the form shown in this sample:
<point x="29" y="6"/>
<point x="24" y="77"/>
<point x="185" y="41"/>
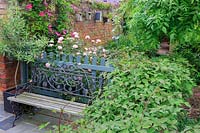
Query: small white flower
<point x="78" y="53"/>
<point x="60" y="47"/>
<point x="93" y="41"/>
<point x="87" y="37"/>
<point x="75" y="46"/>
<point x="86" y="49"/>
<point x="104" y="50"/>
<point x="98" y="41"/>
<point x="95" y="53"/>
<point x="76" y="36"/>
<point x="61" y="38"/>
<point x="51" y="45"/>
<point x="75" y="33"/>
<point x="84" y="53"/>
<point x="47" y="65"/>
<point x="79" y="63"/>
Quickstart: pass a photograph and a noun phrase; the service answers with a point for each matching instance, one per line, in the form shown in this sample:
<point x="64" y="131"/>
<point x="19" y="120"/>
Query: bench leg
<point x="17" y="111"/>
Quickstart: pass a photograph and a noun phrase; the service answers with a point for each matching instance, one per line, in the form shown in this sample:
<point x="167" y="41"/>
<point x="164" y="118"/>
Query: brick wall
<point x="3" y="6"/>
<point x="96" y="30"/>
<point x="7" y="73"/>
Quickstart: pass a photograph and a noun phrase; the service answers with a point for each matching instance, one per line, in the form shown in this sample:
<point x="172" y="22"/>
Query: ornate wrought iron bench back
<point x="67" y="76"/>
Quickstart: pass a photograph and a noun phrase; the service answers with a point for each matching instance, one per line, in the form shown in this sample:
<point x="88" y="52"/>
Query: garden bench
<point x="63" y="83"/>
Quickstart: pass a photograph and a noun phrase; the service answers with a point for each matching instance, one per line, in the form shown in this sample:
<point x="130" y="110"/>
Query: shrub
<point x="144" y="96"/>
<point x="149" y="21"/>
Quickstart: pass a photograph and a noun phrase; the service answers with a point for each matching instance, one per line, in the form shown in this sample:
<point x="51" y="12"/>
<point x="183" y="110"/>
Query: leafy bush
<point x="149" y="21"/>
<point x="15" y="40"/>
<point x="144" y="96"/>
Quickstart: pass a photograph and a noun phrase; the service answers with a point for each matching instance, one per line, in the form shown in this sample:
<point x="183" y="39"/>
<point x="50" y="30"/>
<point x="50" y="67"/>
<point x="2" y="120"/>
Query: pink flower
<point x="45" y="3"/>
<point x="29" y="7"/>
<point x="64" y="32"/>
<point x="42" y="14"/>
<point x="75" y="34"/>
<point x="49" y="14"/>
<point x="50" y="28"/>
<point x="47" y="65"/>
<point x="93" y="41"/>
<point x="59" y="41"/>
<point x="57" y="33"/>
<point x="75" y="46"/>
<point x="87" y="37"/>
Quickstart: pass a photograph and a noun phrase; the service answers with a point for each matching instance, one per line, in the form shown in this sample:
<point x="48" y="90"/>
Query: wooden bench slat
<point x="57" y="99"/>
<point x="50" y="104"/>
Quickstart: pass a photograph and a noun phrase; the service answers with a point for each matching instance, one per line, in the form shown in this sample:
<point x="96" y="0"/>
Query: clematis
<point x="29" y="7"/>
<point x="42" y="14"/>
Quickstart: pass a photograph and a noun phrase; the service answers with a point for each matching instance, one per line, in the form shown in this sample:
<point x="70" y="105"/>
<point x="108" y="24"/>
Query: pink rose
<point x="29" y="7"/>
<point x="47" y="65"/>
<point x="42" y="14"/>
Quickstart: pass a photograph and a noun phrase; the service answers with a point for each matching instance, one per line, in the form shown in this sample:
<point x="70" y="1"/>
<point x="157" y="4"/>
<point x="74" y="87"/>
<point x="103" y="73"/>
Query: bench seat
<point x="50" y="103"/>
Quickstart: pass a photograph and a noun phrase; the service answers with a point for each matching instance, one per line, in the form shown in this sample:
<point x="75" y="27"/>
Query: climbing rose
<point x="29" y="7"/>
<point x="60" y="47"/>
<point x="42" y="14"/>
<point x="75" y="46"/>
<point x="47" y="65"/>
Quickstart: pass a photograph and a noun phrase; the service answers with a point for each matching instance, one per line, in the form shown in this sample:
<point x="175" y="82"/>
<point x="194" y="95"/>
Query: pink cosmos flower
<point x="73" y="34"/>
<point x="29" y="7"/>
<point x="42" y="14"/>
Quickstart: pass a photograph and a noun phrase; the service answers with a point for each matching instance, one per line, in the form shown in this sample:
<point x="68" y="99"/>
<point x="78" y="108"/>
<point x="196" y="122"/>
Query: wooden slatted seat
<point x="49" y="103"/>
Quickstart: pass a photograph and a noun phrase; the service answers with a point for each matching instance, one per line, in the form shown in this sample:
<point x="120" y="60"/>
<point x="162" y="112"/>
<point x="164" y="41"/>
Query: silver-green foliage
<point x="15" y="40"/>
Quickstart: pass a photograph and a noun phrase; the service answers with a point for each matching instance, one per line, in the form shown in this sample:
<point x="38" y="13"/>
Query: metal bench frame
<point x="77" y="83"/>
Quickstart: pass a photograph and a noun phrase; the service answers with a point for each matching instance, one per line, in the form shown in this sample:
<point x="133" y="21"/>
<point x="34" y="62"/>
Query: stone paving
<point x="26" y="124"/>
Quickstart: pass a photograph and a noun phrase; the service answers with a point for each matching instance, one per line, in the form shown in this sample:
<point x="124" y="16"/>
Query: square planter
<point x="7" y="104"/>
